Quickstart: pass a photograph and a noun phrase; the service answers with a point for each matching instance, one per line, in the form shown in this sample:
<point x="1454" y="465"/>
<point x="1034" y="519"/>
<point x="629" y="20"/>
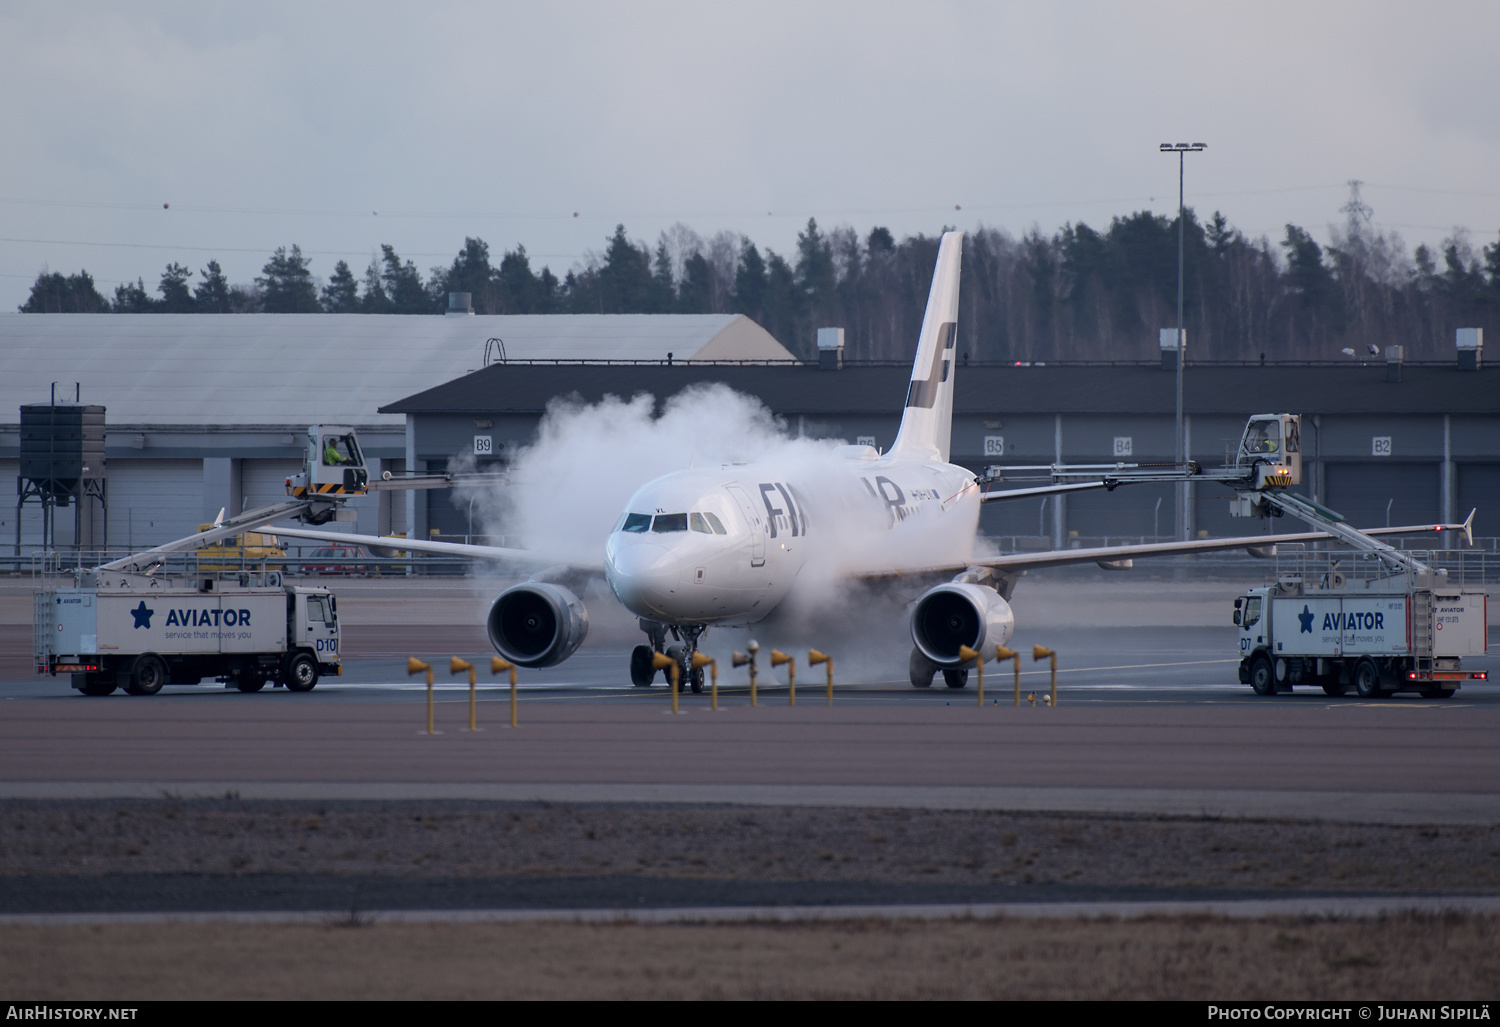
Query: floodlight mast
<point x="1181" y="456"/>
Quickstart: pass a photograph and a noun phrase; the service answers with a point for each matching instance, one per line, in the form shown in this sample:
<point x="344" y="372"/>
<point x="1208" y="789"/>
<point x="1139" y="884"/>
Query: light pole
<point x="1181" y="149"/>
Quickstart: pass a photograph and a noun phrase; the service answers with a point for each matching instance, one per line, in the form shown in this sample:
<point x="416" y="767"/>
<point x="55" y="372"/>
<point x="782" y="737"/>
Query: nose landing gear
<point x="643" y="674"/>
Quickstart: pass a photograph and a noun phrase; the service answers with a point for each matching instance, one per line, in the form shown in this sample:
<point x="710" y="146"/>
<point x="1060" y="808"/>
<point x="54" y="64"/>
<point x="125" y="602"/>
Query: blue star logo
<point x="1306" y="618"/>
<point x="142" y="615"/>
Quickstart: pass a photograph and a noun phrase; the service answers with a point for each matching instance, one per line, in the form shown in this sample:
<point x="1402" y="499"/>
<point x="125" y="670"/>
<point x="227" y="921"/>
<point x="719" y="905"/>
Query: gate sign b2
<point x="1380" y="445"/>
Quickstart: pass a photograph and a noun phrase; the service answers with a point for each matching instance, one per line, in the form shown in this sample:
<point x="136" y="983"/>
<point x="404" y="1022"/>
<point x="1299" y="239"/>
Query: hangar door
<point x="153" y="501"/>
<point x="1362" y="492"/>
<point x="263" y="482"/>
<point x="1479" y="489"/>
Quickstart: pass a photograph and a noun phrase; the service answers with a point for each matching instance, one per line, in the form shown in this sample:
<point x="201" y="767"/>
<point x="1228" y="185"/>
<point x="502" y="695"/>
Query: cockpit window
<point x="669" y="522"/>
<point x="636" y="523"/>
<point x="697" y="522"/>
<point x="716" y="524"/>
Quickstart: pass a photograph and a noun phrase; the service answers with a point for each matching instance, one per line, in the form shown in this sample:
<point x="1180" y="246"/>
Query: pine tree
<point x="176" y="298"/>
<point x="374" y="300"/>
<point x="471" y="273"/>
<point x="663" y="295"/>
<point x="54" y="293"/>
<point x="816" y="279"/>
<point x="625" y="283"/>
<point x="519" y="290"/>
<point x="403" y="284"/>
<point x="211" y="296"/>
<point x="341" y="294"/>
<point x="287" y="285"/>
<point x="695" y="296"/>
<point x="133" y="299"/>
<point x="750" y="283"/>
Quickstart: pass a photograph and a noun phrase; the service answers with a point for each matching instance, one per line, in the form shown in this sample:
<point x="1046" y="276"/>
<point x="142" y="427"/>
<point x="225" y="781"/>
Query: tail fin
<point x="927" y="424"/>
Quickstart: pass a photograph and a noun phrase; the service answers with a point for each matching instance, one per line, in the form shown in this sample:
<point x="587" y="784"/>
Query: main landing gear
<point x="643" y="674"/>
<point x="922" y="671"/>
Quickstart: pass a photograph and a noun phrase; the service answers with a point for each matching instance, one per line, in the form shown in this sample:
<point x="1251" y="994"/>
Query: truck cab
<point x="314" y="626"/>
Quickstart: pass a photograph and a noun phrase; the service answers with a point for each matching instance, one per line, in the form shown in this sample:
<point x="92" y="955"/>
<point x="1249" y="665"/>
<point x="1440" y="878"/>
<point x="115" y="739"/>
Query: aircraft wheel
<point x="920" y="669"/>
<point x="1262" y="678"/>
<point x="1367" y="680"/>
<point x="302" y="673"/>
<point x="1334" y="685"/>
<point x="956" y="678"/>
<point x="1439" y="693"/>
<point x="250" y="681"/>
<point x="695" y="680"/>
<point x="641" y="671"/>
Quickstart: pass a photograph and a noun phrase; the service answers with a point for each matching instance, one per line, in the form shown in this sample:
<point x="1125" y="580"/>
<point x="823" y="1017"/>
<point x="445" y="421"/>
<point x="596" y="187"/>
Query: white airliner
<point x="732" y="544"/>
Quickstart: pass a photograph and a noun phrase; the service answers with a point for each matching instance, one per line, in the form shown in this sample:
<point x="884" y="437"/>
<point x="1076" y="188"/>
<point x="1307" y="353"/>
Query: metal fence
<point x="298" y="563"/>
<point x="1479" y="565"/>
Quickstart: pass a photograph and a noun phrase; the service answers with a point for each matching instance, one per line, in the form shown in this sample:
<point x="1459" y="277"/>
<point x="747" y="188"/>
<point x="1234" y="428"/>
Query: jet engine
<point x="537" y="624"/>
<point x="958" y="614"/>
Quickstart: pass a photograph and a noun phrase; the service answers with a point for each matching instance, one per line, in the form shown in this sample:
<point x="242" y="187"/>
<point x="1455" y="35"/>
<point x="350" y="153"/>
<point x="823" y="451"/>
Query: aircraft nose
<point x="640" y="575"/>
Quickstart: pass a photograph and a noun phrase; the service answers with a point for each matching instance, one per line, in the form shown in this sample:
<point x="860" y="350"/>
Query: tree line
<point x="1077" y="294"/>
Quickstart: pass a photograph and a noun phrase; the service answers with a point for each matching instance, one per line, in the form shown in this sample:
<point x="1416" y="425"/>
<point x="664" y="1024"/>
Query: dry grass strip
<point x="1409" y="956"/>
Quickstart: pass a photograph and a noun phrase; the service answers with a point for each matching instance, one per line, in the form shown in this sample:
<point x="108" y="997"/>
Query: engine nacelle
<point x="537" y="624"/>
<point x="959" y="614"/>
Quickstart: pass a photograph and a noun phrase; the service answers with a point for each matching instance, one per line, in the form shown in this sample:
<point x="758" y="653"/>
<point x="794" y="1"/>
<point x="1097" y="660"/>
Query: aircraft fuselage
<point x="729" y="545"/>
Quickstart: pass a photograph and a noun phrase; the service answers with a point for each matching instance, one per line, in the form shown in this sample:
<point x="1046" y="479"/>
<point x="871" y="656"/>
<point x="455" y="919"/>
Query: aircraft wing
<point x="463" y="549"/>
<point x="1059" y="557"/>
<point x="1108" y="554"/>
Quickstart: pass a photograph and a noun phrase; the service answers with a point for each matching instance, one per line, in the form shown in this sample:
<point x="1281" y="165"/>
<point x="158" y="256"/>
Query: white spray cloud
<point x="566" y="490"/>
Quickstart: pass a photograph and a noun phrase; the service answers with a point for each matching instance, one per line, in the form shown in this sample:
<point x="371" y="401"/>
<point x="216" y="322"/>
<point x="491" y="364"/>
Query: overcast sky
<point x="343" y="126"/>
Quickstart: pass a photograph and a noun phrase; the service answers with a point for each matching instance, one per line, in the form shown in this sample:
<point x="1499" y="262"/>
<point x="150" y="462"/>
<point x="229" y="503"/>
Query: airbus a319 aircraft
<point x="733" y="544"/>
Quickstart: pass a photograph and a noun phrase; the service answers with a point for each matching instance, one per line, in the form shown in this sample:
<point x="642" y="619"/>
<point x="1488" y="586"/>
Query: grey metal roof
<point x="1135" y="389"/>
<point x="296" y="369"/>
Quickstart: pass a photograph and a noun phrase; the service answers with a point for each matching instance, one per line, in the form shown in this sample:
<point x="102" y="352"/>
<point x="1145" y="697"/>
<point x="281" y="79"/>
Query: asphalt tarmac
<point x="1151" y="720"/>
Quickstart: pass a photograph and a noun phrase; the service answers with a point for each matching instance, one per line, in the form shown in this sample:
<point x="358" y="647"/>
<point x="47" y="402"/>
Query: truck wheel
<point x="956" y="678"/>
<point x="147" y="676"/>
<point x="96" y="684"/>
<point x="1262" y="678"/>
<point x="1367" y="680"/>
<point x="920" y="669"/>
<point x="302" y="673"/>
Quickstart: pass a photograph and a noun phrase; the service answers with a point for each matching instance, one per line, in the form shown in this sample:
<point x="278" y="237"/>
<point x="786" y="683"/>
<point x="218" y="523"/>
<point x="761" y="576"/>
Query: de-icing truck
<point x="140" y="632"/>
<point x="1388" y="633"/>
